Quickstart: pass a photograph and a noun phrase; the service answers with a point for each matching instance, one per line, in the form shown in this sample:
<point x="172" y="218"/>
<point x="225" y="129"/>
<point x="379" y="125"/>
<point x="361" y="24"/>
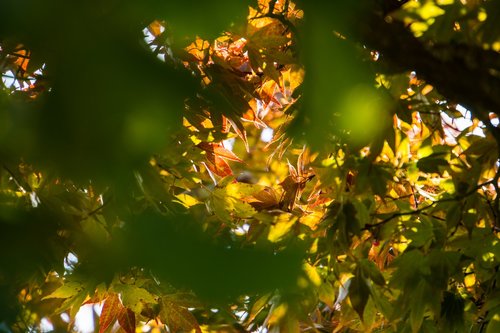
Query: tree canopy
<point x="265" y="165"/>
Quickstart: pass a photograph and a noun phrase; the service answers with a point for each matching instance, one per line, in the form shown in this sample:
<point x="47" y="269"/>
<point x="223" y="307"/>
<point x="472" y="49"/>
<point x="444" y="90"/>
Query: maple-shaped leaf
<point x="218" y="149"/>
<point x="216" y="156"/>
<point x="126" y="319"/>
<point x="227" y="202"/>
<point x="134" y="297"/>
<point x="294" y="184"/>
<point x="219" y="167"/>
<point x="176" y="317"/>
<point x="264" y="199"/>
<point x="67" y="290"/>
<point x="110" y="310"/>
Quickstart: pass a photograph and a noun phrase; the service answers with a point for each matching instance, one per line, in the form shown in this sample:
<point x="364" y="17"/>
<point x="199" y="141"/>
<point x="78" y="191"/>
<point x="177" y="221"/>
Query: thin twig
<point x="22" y="185"/>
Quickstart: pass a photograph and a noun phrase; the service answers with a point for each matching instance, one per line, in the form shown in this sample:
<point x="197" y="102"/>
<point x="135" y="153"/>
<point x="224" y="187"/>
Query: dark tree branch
<point x="462" y="73"/>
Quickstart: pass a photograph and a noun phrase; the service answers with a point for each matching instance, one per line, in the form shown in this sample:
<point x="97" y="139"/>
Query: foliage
<point x="137" y="176"/>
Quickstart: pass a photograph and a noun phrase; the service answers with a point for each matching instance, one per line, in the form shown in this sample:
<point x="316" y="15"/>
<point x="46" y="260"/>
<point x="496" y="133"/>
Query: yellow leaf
<point x="187" y="200"/>
<point x="282" y="224"/>
<point x="312" y="274"/>
<point x="311" y="220"/>
<point x="470" y="280"/>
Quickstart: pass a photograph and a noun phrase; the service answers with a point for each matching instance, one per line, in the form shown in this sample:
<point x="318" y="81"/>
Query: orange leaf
<point x="155" y="28"/>
<point x="126" y="319"/>
<point x="218" y="166"/>
<point x="110" y="310"/>
<point x="219" y="150"/>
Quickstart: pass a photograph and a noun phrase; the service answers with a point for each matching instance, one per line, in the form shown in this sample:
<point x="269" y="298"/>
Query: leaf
<point x="264" y="199"/>
<point x="126" y="319"/>
<point x="281" y="226"/>
<point x="219" y="150"/>
<point x="227" y="203"/>
<point x="258" y="306"/>
<point x="110" y="310"/>
<point x="184" y="299"/>
<point x="371" y="270"/>
<point x="434" y="163"/>
<point x="219" y="166"/>
<point x="73" y="303"/>
<point x="134" y="297"/>
<point x="187" y="200"/>
<point x="417" y="307"/>
<point x="155" y="28"/>
<point x="452" y="313"/>
<point x="382" y="303"/>
<point x="95" y="229"/>
<point x="359" y="293"/>
<point x="327" y="293"/>
<point x="411" y="265"/>
<point x="68" y="289"/>
<point x="494" y="324"/>
<point x="176" y="317"/>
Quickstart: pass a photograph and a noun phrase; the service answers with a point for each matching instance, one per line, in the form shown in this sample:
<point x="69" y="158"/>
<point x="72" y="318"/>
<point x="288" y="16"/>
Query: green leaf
<point x="411" y="266"/>
<point x="452" y="313"/>
<point x="227" y="202"/>
<point x="359" y="293"/>
<point x="327" y="293"/>
<point x="73" y="304"/>
<point x="417" y="309"/>
<point x="382" y="303"/>
<point x="434" y="163"/>
<point x="134" y="297"/>
<point x="420" y="233"/>
<point x="258" y="306"/>
<point x="67" y="290"/>
<point x="494" y="324"/>
<point x="371" y="271"/>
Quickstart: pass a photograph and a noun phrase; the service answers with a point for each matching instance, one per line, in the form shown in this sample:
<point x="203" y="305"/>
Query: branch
<point x="23" y="185"/>
<point x="434" y="203"/>
<point x="472" y="83"/>
<point x="398" y="214"/>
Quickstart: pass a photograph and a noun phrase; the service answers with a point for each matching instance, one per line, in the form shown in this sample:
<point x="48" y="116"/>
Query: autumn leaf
<point x="126" y="319"/>
<point x="294" y="184"/>
<point x="216" y="155"/>
<point x="176" y="317"/>
<point x="264" y="199"/>
<point x="218" y="166"/>
<point x="218" y="149"/>
<point x="110" y="311"/>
